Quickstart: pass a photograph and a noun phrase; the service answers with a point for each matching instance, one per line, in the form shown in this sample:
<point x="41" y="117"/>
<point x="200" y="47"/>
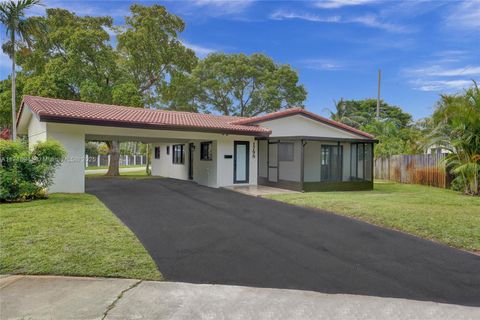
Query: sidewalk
<point x="50" y="297"/>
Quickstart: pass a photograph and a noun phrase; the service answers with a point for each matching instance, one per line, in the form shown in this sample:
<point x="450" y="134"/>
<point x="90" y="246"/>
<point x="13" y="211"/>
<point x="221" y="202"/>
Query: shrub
<point x="24" y="174"/>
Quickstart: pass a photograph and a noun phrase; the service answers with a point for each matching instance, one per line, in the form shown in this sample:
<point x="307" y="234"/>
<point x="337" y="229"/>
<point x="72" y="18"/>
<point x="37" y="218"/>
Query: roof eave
<point x="150" y="126"/>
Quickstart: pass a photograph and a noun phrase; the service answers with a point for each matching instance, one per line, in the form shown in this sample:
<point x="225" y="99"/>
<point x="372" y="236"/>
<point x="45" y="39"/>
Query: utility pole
<point x="378" y="97"/>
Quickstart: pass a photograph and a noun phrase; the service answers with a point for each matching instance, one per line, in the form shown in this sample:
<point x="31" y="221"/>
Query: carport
<point x="231" y="148"/>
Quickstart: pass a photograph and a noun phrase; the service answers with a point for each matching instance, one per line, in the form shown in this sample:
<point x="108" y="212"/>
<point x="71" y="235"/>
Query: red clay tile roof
<point x="294" y="111"/>
<point x="57" y="110"/>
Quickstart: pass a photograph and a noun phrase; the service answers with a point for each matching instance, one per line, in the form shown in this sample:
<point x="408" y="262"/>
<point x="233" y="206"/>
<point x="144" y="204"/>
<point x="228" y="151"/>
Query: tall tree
<point x="240" y="85"/>
<point x="343" y="114"/>
<point x="151" y="51"/>
<point x="457" y="128"/>
<point x="363" y="112"/>
<point x="19" y="31"/>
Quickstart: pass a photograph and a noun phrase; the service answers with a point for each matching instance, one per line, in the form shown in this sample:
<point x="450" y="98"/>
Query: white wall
<point x="215" y="173"/>
<point x="70" y="176"/>
<point x="204" y="171"/>
<point x="37" y="131"/>
<point x="225" y="146"/>
<point x="299" y="125"/>
<point x="291" y="170"/>
<point x="164" y="166"/>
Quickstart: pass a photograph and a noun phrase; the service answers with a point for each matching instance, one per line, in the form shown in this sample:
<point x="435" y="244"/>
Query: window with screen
<point x="285" y="151"/>
<point x="157" y="152"/>
<point x="206" y="150"/>
<point x="178" y="154"/>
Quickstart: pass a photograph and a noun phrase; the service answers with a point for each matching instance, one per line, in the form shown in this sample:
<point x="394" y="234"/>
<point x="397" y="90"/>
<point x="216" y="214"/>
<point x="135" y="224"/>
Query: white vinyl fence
<point x="104" y="160"/>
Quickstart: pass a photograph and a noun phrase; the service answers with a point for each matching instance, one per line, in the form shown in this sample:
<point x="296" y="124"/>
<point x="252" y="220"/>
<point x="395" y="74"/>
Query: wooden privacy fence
<point x="426" y="169"/>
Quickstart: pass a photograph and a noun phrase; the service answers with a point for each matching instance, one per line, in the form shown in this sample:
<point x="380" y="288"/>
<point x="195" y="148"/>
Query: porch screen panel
<point x="331" y="163"/>
<point x="361" y="161"/>
<point x="368" y="158"/>
<point x="273" y="162"/>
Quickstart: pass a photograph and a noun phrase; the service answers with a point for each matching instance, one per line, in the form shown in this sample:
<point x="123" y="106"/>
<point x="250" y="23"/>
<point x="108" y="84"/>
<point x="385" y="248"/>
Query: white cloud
<point x="285" y="15"/>
<point x="441" y="85"/>
<point x="199" y="50"/>
<point x="442" y="75"/>
<point x="371" y="21"/>
<point x="374" y="22"/>
<point x="439" y="71"/>
<point x="334" y="4"/>
<point x="465" y="14"/>
<point x="321" y="64"/>
<point x="223" y="7"/>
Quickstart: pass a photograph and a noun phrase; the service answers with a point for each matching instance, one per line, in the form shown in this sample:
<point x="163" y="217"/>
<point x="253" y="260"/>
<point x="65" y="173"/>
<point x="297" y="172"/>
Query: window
<point x="331" y="163"/>
<point x="157" y="152"/>
<point x="178" y="155"/>
<point x="168" y="150"/>
<point x="206" y="150"/>
<point x="285" y="151"/>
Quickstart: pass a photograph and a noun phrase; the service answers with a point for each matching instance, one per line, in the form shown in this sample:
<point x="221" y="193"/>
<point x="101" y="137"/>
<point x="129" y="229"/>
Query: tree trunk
<point x="14" y="96"/>
<point x="114" y="152"/>
<point x="147" y="169"/>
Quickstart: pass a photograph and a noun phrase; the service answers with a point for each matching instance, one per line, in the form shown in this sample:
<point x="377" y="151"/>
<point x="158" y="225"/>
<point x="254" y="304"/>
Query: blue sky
<point x="423" y="47"/>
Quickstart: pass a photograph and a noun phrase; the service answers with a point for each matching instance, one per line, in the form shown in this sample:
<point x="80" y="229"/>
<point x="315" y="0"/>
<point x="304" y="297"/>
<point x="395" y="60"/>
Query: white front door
<point x="240" y="162"/>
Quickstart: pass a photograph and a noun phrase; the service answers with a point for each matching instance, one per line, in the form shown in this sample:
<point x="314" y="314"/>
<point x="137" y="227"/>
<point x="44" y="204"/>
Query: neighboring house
<point x="292" y="148"/>
<point x="437" y="149"/>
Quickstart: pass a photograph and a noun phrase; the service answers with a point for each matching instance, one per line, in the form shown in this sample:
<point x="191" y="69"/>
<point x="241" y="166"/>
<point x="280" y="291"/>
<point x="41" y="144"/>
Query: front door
<point x="191" y="148"/>
<point x="240" y="162"/>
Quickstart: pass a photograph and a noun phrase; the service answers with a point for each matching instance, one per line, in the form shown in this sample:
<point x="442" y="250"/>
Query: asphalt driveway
<point x="202" y="235"/>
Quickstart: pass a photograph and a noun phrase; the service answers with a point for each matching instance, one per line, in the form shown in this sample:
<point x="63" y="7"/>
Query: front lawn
<point x="137" y="174"/>
<point x="433" y="213"/>
<point x="70" y="235"/>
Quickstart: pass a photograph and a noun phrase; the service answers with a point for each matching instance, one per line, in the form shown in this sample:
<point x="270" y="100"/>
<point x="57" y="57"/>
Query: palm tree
<point x="344" y="114"/>
<point x="457" y="120"/>
<point x="19" y="30"/>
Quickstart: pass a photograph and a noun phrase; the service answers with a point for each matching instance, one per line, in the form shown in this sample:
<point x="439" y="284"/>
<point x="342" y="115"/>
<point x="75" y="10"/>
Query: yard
<point x="70" y="235"/>
<point x="433" y="213"/>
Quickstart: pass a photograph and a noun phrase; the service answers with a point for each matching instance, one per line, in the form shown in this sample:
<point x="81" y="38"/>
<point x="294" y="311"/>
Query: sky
<point x="423" y="47"/>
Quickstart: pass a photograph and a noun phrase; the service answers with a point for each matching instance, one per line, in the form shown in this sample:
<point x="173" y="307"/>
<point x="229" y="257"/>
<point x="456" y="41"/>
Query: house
<point x="293" y="148"/>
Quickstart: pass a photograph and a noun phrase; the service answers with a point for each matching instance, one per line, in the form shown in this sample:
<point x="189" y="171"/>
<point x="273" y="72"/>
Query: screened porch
<point x="315" y="164"/>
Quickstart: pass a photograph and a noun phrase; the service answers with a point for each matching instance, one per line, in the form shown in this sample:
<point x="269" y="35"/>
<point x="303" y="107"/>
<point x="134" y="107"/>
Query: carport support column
<point x="70" y="175"/>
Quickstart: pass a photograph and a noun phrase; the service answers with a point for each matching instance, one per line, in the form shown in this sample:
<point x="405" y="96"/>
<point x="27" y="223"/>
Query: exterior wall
<point x="225" y="146"/>
<point x="298" y="125"/>
<point x="165" y="168"/>
<point x="215" y="173"/>
<point x="70" y="176"/>
<point x="204" y="171"/>
<point x="37" y="131"/>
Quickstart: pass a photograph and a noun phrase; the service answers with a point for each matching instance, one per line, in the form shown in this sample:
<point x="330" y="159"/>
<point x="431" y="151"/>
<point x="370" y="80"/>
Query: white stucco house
<point x="293" y="148"/>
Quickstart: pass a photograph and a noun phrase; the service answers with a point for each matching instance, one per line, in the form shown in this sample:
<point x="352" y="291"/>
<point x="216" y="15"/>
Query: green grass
<point x="437" y="214"/>
<point x="141" y="174"/>
<point x="71" y="234"/>
<point x="106" y="167"/>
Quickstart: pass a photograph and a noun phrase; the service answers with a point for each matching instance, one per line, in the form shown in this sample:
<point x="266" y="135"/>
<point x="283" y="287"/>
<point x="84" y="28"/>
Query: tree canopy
<point x="360" y="113"/>
<point x="456" y="127"/>
<point x="237" y="84"/>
